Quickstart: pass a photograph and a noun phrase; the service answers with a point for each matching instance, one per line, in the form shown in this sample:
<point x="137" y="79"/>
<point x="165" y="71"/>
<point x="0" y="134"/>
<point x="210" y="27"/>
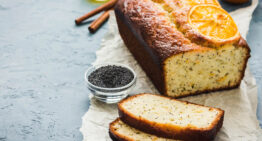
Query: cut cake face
<point x="202" y="71"/>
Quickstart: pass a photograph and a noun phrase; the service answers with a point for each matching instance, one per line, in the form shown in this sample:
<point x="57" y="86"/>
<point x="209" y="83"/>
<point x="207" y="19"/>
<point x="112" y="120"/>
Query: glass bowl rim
<point x="89" y="70"/>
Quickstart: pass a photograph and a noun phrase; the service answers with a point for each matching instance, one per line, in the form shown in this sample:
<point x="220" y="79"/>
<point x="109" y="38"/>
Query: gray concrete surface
<point x="43" y="56"/>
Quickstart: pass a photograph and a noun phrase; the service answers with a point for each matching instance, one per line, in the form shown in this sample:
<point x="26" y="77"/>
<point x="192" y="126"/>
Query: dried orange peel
<point x="213" y="23"/>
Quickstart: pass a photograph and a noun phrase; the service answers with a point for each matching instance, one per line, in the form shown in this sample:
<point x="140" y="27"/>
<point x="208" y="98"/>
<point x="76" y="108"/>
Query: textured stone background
<point x="43" y="56"/>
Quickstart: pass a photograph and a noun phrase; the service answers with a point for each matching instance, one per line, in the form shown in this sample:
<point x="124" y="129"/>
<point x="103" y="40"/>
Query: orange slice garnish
<point x="213" y="23"/>
<point x="196" y="2"/>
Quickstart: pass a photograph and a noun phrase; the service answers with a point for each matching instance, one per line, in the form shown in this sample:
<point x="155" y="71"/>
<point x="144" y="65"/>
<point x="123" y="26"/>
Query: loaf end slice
<point x="119" y="131"/>
<point x="170" y="118"/>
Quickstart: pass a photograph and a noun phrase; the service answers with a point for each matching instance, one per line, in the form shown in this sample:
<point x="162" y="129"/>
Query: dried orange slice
<point x="196" y="2"/>
<point x="213" y="23"/>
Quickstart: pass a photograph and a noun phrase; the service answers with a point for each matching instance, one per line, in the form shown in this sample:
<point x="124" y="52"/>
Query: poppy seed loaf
<point x="179" y="61"/>
<point x="170" y="118"/>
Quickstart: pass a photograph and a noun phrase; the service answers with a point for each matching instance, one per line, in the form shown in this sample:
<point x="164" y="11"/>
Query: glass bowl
<point x="109" y="95"/>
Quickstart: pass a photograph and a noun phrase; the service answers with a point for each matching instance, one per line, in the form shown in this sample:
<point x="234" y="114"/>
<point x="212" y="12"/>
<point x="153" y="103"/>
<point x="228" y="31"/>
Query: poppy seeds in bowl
<point x="111" y="76"/>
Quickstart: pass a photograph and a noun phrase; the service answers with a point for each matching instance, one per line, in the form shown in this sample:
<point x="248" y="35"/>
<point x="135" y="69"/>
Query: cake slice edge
<point x="117" y="135"/>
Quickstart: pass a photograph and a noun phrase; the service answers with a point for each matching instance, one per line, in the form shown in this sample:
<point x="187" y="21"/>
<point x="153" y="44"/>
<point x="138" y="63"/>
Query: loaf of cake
<point x="119" y="131"/>
<point x="186" y="47"/>
<point x="170" y="118"/>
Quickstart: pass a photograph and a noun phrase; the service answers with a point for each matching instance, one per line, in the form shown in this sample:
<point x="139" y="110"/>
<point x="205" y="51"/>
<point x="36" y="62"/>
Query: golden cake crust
<point x="155" y="29"/>
<point x="114" y="135"/>
<point x="160" y="34"/>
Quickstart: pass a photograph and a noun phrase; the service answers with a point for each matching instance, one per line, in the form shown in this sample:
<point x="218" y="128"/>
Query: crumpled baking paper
<point x="240" y="105"/>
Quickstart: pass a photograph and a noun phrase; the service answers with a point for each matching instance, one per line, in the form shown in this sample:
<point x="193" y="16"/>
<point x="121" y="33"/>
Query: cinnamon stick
<point x="103" y="7"/>
<point x="98" y="22"/>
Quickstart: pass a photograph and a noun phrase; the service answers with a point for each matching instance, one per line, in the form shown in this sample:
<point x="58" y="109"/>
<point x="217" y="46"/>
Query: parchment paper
<point x="240" y="105"/>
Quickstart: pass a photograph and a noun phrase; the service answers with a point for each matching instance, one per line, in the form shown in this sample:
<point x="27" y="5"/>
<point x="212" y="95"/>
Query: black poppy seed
<point x="111" y="76"/>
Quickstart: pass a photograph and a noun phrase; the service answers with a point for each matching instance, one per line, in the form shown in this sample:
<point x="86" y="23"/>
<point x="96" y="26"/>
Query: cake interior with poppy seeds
<point x="170" y="118"/>
<point x="182" y="50"/>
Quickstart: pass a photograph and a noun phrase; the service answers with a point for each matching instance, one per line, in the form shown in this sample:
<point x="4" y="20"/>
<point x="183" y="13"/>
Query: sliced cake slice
<point x="170" y="118"/>
<point x="119" y="131"/>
